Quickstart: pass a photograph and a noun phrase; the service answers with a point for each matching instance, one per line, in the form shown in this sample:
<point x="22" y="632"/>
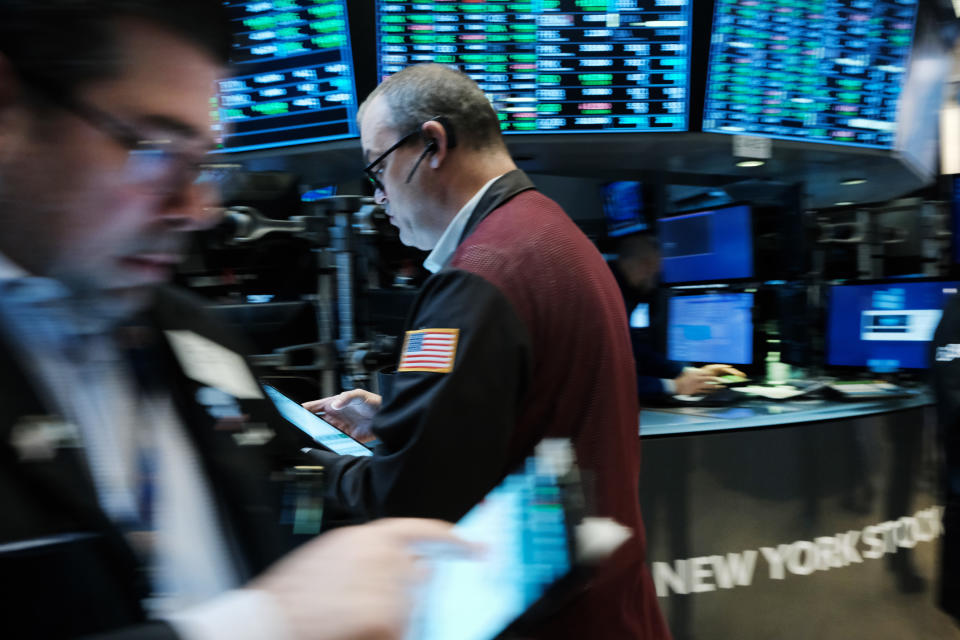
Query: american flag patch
<point x="429" y="350"/>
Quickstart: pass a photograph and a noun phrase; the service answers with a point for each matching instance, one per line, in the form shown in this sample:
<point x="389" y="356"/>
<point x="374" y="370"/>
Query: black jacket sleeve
<point x="444" y="436"/>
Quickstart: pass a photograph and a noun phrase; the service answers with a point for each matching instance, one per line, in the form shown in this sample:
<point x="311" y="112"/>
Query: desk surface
<point x="754" y="414"/>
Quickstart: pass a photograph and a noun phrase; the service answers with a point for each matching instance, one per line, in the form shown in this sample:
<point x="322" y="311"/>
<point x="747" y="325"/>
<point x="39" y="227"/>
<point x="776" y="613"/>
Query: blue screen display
<point x="716" y="327"/>
<point x="824" y="71"/>
<point x="623" y="208"/>
<point x="320" y="430"/>
<point x="884" y="327"/>
<point x="707" y="246"/>
<point x="554" y="67"/>
<point x="292" y="75"/>
<point x="522" y="528"/>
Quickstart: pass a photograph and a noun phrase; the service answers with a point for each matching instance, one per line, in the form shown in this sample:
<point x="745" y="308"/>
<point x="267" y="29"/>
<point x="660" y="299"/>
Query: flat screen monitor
<point x="707" y="246"/>
<point x="887" y="326"/>
<point x="623" y="208"/>
<point x="822" y="72"/>
<point x="714" y="327"/>
<point x="292" y="79"/>
<point x="554" y="67"/>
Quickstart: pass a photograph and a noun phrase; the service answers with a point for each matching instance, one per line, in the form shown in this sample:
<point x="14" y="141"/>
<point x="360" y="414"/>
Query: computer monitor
<point x="623" y="208"/>
<point x="825" y="72"/>
<point x="714" y="327"/>
<point x="292" y="78"/>
<point x="887" y="326"/>
<point x="707" y="246"/>
<point x="553" y="67"/>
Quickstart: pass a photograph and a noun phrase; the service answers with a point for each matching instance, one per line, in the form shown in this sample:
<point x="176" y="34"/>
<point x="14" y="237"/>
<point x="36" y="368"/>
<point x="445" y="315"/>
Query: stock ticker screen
<point x="814" y="70"/>
<point x="292" y="80"/>
<point x="554" y="66"/>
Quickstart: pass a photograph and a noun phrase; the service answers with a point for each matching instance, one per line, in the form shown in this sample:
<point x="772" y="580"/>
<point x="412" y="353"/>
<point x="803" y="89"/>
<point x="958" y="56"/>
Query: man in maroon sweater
<point x="519" y="335"/>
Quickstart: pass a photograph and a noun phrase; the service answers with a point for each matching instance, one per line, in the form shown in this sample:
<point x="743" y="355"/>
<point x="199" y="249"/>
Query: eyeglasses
<point x="373" y="173"/>
<point x="161" y="162"/>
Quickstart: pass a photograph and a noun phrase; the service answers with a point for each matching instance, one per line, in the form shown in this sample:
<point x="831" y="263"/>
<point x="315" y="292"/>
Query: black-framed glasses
<point x="161" y="162"/>
<point x="373" y="172"/>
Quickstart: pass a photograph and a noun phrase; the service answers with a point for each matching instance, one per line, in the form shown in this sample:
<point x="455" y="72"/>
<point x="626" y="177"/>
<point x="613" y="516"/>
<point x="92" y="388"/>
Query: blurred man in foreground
<point x="519" y="335"/>
<point x="129" y="506"/>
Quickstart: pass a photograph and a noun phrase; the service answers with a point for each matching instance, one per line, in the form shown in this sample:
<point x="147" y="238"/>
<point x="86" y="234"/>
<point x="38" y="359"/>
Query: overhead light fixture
<point x="849" y="182"/>
<point x="751" y="163"/>
<point x="842" y="204"/>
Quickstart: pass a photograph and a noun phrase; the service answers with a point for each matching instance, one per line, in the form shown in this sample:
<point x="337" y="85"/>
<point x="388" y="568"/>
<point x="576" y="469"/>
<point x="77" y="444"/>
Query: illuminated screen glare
<point x="885" y="327"/>
<point x="554" y="66"/>
<point x="818" y="70"/>
<point x="292" y="79"/>
<point x="716" y="327"/>
<point x="707" y="246"/>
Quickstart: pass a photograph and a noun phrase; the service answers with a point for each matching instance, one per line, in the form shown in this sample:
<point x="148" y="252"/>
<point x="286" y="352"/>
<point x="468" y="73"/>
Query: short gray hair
<point x="421" y="92"/>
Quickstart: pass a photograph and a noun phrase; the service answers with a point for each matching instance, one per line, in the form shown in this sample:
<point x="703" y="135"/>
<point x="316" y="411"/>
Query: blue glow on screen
<point x="521" y="527"/>
<point x="708" y="246"/>
<point x="826" y="71"/>
<point x="623" y="208"/>
<point x="715" y="327"/>
<point x="884" y="327"/>
<point x="558" y="67"/>
<point x="293" y="80"/>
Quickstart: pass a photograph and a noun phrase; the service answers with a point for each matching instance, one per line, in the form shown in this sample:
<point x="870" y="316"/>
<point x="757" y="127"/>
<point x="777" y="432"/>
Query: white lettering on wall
<point x="801" y="558"/>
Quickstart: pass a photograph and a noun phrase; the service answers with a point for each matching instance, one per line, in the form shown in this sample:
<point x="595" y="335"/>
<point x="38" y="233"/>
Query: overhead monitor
<point x="707" y="246"/>
<point x="554" y="67"/>
<point x="715" y="327"/>
<point x="292" y="78"/>
<point x="885" y="327"/>
<point x="623" y="208"/>
<point x="825" y="71"/>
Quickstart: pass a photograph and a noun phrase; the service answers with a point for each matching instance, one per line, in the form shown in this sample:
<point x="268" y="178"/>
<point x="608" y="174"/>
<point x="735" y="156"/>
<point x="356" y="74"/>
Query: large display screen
<point x="292" y="80"/>
<point x="554" y="66"/>
<point x="716" y="327"/>
<point x="707" y="246"/>
<point x="885" y="327"/>
<point x="822" y="71"/>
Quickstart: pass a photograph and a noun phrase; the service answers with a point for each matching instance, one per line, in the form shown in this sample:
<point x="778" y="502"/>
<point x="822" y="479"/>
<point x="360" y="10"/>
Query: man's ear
<point x="437" y="142"/>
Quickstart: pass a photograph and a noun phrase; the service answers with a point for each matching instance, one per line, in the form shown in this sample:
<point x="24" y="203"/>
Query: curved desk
<point x="795" y="519"/>
<point x="753" y="414"/>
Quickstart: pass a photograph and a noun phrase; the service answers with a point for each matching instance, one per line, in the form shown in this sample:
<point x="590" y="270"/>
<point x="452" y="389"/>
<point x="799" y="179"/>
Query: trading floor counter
<point x="795" y="519"/>
<point x="752" y="414"/>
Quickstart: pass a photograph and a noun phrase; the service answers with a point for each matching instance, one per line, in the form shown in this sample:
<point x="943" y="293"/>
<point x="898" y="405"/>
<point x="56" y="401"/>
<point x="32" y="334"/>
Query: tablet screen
<point x="324" y="433"/>
<point x="522" y="524"/>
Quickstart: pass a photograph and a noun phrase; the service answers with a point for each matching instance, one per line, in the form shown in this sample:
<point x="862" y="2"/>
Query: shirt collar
<point x="448" y="242"/>
<point x="26" y="297"/>
<point x="19" y="284"/>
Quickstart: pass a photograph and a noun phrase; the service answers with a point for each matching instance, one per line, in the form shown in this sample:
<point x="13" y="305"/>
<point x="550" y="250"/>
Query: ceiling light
<point x="751" y="163"/>
<point x="849" y="182"/>
<point x="842" y="204"/>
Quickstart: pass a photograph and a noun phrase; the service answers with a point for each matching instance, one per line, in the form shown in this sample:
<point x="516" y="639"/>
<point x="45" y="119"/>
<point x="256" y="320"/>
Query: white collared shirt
<point x="74" y="361"/>
<point x="450" y="240"/>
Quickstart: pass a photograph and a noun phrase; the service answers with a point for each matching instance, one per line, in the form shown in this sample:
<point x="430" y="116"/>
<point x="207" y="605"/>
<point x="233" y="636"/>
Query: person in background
<point x="518" y="335"/>
<point x="133" y="490"/>
<point x="945" y="374"/>
<point x="637" y="271"/>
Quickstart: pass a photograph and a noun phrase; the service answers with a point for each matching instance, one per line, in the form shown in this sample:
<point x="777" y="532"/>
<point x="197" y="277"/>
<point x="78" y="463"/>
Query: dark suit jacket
<point x="945" y="373"/>
<point x="65" y="569"/>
